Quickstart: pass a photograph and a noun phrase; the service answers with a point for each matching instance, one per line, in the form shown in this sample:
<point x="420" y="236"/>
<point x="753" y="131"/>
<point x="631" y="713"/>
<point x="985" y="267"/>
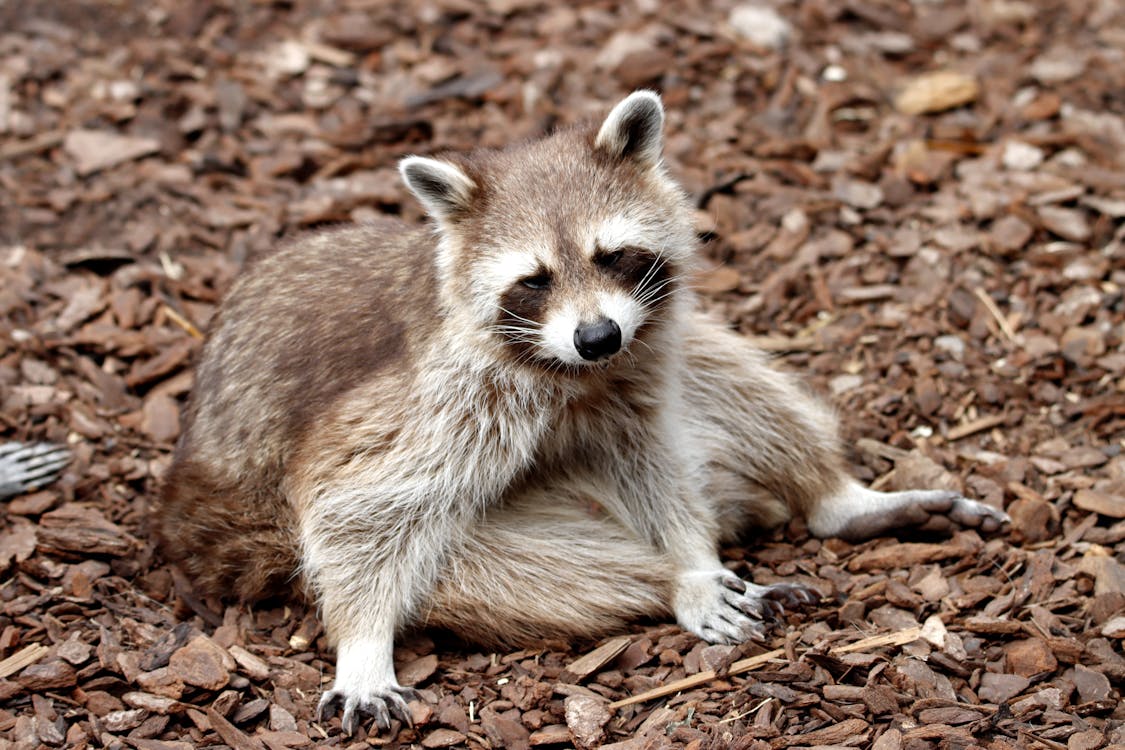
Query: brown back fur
<point x="303" y="326"/>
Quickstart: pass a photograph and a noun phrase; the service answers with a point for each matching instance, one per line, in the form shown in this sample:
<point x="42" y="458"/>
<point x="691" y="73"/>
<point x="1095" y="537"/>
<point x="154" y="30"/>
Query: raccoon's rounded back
<point x="233" y="539"/>
<point x="302" y="327"/>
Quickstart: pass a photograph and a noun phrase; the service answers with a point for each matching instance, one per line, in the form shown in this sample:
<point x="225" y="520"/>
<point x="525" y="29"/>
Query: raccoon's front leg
<point x="659" y="497"/>
<point x="369" y="573"/>
<point x="710" y="600"/>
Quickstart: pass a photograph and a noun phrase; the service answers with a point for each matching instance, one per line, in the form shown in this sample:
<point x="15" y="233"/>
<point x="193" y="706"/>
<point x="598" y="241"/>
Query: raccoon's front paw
<point x="380" y="703"/>
<point x="720" y="607"/>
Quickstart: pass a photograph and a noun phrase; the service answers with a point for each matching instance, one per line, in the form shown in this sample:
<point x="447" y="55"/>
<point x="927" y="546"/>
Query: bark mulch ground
<point x="916" y="205"/>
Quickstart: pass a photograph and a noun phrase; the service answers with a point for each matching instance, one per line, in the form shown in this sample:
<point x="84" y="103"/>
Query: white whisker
<point x="519" y="317"/>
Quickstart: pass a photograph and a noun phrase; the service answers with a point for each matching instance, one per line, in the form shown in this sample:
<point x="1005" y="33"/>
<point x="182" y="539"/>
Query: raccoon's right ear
<point x="634" y="128"/>
<point x="442" y="188"/>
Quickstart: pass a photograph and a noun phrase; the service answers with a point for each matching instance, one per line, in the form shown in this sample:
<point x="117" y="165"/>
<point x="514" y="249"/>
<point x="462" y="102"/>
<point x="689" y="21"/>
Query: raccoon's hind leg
<point x="773" y="452"/>
<point x="859" y="513"/>
<point x="548" y="563"/>
<point x="231" y="541"/>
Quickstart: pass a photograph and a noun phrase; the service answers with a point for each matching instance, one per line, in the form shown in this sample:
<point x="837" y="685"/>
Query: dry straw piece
<point x="745" y="665"/>
<point x="937" y="92"/>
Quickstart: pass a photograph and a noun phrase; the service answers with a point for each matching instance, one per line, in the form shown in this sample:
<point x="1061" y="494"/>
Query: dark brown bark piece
<point x="76" y="528"/>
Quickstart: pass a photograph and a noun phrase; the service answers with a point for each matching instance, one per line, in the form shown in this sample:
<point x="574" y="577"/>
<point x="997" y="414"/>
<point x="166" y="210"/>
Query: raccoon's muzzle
<point x="598" y="340"/>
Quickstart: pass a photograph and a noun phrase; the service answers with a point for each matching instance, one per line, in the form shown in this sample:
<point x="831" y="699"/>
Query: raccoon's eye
<point x="539" y="281"/>
<point x="608" y="260"/>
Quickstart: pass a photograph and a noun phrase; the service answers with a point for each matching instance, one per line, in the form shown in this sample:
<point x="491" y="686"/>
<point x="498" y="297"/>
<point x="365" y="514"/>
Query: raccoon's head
<point x="568" y="250"/>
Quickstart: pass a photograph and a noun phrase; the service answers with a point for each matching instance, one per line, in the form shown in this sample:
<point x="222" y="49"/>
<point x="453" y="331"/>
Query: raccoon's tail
<point x="232" y="543"/>
<point x="547" y="567"/>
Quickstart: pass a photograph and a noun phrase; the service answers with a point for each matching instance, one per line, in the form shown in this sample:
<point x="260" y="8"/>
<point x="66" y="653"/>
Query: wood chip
<point x="94" y="150"/>
<point x="446" y="738"/>
<point x="586" y="719"/>
<point x="252" y="666"/>
<point x="1030" y="657"/>
<point x="25" y="657"/>
<point x="598" y="658"/>
<point x="1101" y="502"/>
<point x="201" y="663"/>
<point x="231" y="734"/>
<point x="902" y="556"/>
<point x="936" y="92"/>
<point x="75" y="528"/>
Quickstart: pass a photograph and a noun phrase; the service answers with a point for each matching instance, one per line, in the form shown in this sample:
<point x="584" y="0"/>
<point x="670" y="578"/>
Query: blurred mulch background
<point x="917" y="205"/>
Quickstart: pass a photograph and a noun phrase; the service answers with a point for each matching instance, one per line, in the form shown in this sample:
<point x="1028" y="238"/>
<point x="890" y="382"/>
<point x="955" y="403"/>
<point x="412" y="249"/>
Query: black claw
<point x="753" y="608"/>
<point x="348" y="721"/>
<point x="791" y="595"/>
<point x="378" y="709"/>
<point x="397" y="704"/>
<point x="328" y="701"/>
<point x="734" y="583"/>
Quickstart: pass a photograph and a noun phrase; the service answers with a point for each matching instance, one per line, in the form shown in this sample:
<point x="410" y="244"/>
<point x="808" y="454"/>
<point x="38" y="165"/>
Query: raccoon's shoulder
<point x="386" y="253"/>
<point x="324" y="313"/>
<point x="338" y="287"/>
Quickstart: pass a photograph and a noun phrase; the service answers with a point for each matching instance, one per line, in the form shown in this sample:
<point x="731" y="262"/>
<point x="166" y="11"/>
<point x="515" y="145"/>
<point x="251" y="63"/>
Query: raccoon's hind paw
<point x="859" y="513"/>
<point x="720" y="607"/>
<point x="948" y="510"/>
<point x="380" y="705"/>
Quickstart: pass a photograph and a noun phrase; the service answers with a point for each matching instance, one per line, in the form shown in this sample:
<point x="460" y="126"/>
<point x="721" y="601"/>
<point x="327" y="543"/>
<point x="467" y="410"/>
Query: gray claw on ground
<point x="380" y="708"/>
<point x="790" y="596"/>
<point x="756" y="608"/>
<point x="398" y="707"/>
<point x="377" y="708"/>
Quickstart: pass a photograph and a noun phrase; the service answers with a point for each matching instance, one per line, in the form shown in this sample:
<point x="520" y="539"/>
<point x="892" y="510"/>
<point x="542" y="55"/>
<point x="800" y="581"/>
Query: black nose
<point x="598" y="340"/>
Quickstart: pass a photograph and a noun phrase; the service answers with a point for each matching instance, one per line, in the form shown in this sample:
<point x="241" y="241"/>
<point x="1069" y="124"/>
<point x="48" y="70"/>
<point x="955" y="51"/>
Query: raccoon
<point x="514" y="425"/>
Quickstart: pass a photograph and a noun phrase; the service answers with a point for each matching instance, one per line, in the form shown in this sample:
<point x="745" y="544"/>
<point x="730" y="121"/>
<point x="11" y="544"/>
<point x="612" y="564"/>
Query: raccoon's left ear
<point x="442" y="188"/>
<point x="634" y="128"/>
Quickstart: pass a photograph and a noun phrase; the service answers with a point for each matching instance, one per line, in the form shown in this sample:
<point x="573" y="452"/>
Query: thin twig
<point x="975" y="426"/>
<point x="1005" y="326"/>
<point x="779" y="344"/>
<point x="183" y="322"/>
<point x="25" y="657"/>
<point x="745" y="665"/>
